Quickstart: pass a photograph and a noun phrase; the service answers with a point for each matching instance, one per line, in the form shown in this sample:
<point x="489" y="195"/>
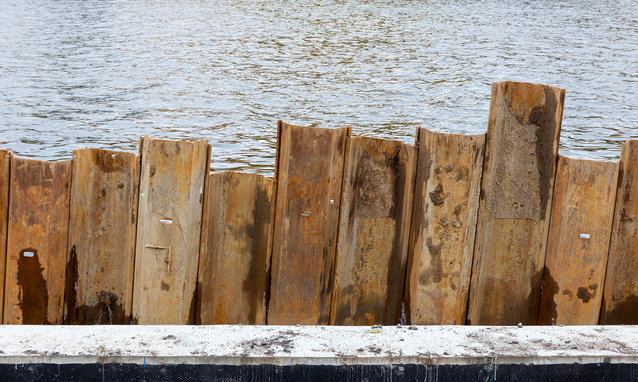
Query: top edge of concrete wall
<point x="318" y="345"/>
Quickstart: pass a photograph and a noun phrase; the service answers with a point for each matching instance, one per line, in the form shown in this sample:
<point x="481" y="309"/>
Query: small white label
<point x="584" y="236"/>
<point x="28" y="254"/>
<point x="113" y="155"/>
<point x="332" y="201"/>
<point x="166" y="221"/>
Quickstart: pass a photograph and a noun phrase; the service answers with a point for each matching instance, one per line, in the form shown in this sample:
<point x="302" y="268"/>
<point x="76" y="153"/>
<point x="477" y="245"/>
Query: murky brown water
<point x="94" y="73"/>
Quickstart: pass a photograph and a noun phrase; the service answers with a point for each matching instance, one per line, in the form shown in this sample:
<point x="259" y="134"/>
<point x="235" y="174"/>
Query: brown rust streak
<point x="255" y="284"/>
<point x="309" y="172"/>
<point x="5" y="165"/>
<point x="70" y="292"/>
<point x="371" y="260"/>
<point x="33" y="295"/>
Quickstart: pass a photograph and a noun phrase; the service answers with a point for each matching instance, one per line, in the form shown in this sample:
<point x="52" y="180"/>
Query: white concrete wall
<point x="317" y="345"/>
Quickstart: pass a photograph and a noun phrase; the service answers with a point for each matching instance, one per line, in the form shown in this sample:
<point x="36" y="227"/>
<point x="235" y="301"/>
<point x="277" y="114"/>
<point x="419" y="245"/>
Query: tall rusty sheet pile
<point x="489" y="229"/>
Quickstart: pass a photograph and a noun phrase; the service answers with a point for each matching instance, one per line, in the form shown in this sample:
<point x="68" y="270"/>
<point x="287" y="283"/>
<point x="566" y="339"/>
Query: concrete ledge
<point x="265" y="353"/>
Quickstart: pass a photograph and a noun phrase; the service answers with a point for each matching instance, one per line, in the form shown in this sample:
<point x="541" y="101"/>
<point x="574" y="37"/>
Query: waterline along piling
<point x="488" y="229"/>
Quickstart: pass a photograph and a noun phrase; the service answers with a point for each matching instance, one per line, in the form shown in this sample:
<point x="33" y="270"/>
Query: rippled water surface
<point x="93" y="73"/>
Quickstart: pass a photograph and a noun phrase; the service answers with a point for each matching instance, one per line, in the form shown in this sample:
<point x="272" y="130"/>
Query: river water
<point x="92" y="73"/>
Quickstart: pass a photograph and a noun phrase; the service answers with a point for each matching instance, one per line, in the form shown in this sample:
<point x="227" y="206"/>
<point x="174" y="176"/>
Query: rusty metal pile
<point x="489" y="229"/>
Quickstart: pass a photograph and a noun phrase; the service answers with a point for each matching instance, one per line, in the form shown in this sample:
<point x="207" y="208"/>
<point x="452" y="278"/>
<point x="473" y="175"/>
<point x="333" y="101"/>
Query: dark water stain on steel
<point x="368" y="311"/>
<point x="462" y="173"/>
<point x="543" y="118"/>
<point x="326" y="282"/>
<point x="436" y="272"/>
<point x="134" y="213"/>
<point x="621" y="173"/>
<point x="164" y="286"/>
<point x="198" y="304"/>
<point x="166" y="148"/>
<point x="342" y="311"/>
<point x="106" y="311"/>
<point x="548" y="308"/>
<point x="626" y="199"/>
<point x="396" y="162"/>
<point x="508" y="310"/>
<point x="70" y="292"/>
<point x="192" y="308"/>
<point x="251" y="284"/>
<point x="255" y="285"/>
<point x="534" y="296"/>
<point x="624" y="217"/>
<point x="584" y="294"/>
<point x="399" y="163"/>
<point x="106" y="162"/>
<point x="623" y="313"/>
<point x="505" y="310"/>
<point x="33" y="295"/>
<point x="478" y="154"/>
<point x="437" y="196"/>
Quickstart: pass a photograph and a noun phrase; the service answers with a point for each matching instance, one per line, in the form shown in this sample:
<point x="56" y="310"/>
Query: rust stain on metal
<point x="33" y="297"/>
<point x="513" y="219"/>
<point x="548" y="310"/>
<point x="39" y="213"/>
<point x="171" y="196"/>
<point x="578" y="242"/>
<point x="103" y="211"/>
<point x="448" y="175"/>
<point x="620" y="304"/>
<point x="236" y="234"/>
<point x="309" y="174"/>
<point x="5" y="163"/>
<point x="70" y="293"/>
<point x="373" y="234"/>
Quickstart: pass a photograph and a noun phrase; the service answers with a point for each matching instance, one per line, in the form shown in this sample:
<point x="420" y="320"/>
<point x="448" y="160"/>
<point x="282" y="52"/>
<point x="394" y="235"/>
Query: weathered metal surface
<point x="515" y="201"/>
<point x="37" y="241"/>
<point x="5" y="165"/>
<point x="309" y="171"/>
<point x="620" y="298"/>
<point x="234" y="260"/>
<point x="168" y="230"/>
<point x="103" y="218"/>
<point x="578" y="243"/>
<point x="446" y="199"/>
<point x="374" y="225"/>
